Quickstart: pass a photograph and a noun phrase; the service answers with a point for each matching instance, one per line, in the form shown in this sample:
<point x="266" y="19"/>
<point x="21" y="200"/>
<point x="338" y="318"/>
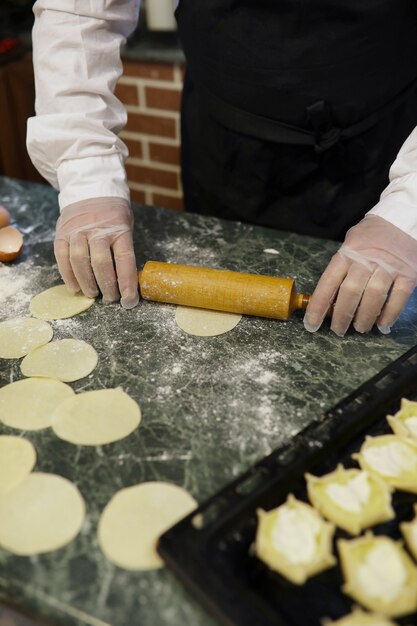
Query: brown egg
<point x="4" y="217"/>
<point x="11" y="243"/>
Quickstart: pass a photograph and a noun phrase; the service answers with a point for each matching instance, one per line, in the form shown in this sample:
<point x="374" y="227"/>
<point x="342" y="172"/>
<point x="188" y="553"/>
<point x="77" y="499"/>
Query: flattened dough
<point x="18" y="458"/>
<point x="392" y="458"/>
<point x="134" y="519"/>
<point x="58" y="302"/>
<point x="96" y="417"/>
<point x="66" y="360"/>
<point x="379" y="574"/>
<point x="294" y="540"/>
<point x="20" y="335"/>
<point x="28" y="404"/>
<point x="351" y="498"/>
<point x="43" y="513"/>
<point x="404" y="422"/>
<point x="205" y="323"/>
<point x="409" y="531"/>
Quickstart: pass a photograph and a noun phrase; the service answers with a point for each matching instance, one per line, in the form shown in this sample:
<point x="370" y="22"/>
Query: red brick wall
<point x="151" y="93"/>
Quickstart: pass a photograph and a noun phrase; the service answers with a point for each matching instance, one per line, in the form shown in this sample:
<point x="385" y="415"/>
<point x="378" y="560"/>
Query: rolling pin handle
<point x="301" y="300"/>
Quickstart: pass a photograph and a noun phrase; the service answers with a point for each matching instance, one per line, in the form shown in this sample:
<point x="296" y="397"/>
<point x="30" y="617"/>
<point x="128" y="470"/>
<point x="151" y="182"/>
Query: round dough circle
<point x="20" y="335"/>
<point x="96" y="417"/>
<point x="205" y="323"/>
<point x="28" y="404"/>
<point x="18" y="458"/>
<point x="134" y="519"/>
<point x="66" y="360"/>
<point x="43" y="513"/>
<point x="58" y="302"/>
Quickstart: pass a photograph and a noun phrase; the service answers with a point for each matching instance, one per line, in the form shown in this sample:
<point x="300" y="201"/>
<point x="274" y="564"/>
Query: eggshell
<point x="4" y="217"/>
<point x="11" y="243"/>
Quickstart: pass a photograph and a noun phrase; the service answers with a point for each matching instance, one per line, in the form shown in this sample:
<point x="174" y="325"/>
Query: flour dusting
<point x="17" y="286"/>
<point x="184" y="250"/>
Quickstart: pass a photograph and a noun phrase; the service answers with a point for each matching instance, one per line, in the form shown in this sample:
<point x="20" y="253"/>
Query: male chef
<point x="296" y="115"/>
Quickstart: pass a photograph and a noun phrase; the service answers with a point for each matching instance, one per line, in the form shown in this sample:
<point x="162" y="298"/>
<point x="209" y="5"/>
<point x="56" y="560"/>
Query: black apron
<point x="294" y="110"/>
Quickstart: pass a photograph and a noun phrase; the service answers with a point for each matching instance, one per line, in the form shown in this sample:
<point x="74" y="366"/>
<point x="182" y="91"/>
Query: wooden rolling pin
<point x="220" y="290"/>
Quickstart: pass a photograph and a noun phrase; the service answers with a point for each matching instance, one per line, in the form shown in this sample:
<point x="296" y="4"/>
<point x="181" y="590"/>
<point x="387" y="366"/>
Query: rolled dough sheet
<point x="66" y="360"/>
<point x="20" y="335"/>
<point x="96" y="417"/>
<point x="205" y="323"/>
<point x="58" y="302"/>
<point x="17" y="460"/>
<point x="134" y="519"/>
<point x="43" y="513"/>
<point x="28" y="404"/>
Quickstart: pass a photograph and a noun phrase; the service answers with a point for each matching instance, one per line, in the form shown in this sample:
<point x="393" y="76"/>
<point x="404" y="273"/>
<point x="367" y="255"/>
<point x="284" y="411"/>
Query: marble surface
<point x="211" y="406"/>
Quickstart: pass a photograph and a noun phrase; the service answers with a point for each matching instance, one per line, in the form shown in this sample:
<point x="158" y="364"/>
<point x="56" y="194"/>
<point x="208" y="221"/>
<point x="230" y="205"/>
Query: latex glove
<point x="94" y="249"/>
<point x="373" y="274"/>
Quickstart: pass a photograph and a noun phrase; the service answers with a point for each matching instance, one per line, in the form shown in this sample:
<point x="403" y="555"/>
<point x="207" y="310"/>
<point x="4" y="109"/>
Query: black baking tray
<point x="210" y="550"/>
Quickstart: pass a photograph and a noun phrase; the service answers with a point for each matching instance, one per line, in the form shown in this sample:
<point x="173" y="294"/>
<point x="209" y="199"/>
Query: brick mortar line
<point x="166" y="167"/>
<point x="177" y="73"/>
<point x="165" y="191"/>
<point x="173" y="86"/>
<point x="150" y="63"/>
<point x="142" y="108"/>
<point x="141" y="94"/>
<point x="159" y="139"/>
<point x="178" y="127"/>
<point x="151" y="82"/>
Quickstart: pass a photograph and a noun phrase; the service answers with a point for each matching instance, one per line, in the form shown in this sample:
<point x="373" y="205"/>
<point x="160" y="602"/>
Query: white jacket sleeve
<point x="73" y="140"/>
<point x="398" y="202"/>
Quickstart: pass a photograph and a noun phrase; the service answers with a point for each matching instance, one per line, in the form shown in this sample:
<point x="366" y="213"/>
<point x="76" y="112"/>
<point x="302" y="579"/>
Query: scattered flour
<point x="217" y="380"/>
<point x="17" y="286"/>
<point x="184" y="250"/>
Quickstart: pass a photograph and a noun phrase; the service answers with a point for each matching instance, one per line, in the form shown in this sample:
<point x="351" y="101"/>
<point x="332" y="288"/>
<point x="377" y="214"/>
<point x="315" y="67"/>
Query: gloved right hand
<point x="94" y="249"/>
<point x="370" y="278"/>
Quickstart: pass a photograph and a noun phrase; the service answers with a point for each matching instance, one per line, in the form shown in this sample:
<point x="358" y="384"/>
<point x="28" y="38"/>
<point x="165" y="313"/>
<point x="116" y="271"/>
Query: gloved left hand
<point x="371" y="277"/>
<point x="94" y="249"/>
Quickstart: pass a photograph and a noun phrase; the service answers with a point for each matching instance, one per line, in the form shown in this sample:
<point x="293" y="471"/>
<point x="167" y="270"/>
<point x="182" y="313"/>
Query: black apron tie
<point x="326" y="135"/>
<point x="323" y="136"/>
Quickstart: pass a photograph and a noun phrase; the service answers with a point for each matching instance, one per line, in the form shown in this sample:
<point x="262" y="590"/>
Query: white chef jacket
<point x="73" y="140"/>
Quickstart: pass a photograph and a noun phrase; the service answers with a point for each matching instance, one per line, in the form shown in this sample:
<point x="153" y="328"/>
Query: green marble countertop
<point x="211" y="406"/>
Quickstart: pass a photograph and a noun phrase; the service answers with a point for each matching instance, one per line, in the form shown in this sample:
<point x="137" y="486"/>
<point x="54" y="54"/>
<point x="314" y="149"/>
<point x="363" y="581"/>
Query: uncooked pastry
<point x="18" y="458"/>
<point x="28" y="404"/>
<point x="360" y="618"/>
<point x="66" y="360"/>
<point x="294" y="540"/>
<point x="392" y="458"/>
<point x="404" y="422"/>
<point x="134" y="519"/>
<point x="379" y="574"/>
<point x="205" y="323"/>
<point x="58" y="303"/>
<point x="409" y="531"/>
<point x="20" y="335"/>
<point x="43" y="513"/>
<point x="98" y="417"/>
<point x="351" y="498"/>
